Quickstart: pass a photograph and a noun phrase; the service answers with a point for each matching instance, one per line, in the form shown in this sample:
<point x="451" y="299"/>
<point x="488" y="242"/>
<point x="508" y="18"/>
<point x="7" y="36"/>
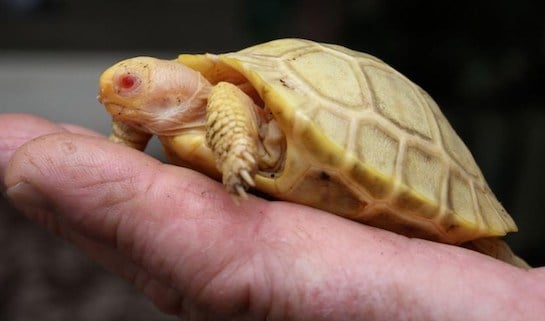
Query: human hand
<point x="177" y="236"/>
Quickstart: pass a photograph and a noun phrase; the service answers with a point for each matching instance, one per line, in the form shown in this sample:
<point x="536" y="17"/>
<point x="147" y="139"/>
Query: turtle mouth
<point x="127" y="115"/>
<point x="115" y="107"/>
<point x="116" y="110"/>
<point x="133" y="118"/>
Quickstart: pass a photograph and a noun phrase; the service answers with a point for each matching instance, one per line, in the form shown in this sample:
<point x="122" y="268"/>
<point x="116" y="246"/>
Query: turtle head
<point x="161" y="97"/>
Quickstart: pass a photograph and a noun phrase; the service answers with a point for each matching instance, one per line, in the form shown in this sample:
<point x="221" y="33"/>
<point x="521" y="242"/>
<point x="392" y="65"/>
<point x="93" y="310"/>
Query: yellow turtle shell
<point x="362" y="141"/>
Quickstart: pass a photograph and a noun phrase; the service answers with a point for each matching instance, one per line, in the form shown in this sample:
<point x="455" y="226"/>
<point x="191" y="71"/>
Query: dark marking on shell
<point x="452" y="228"/>
<point x="286" y="84"/>
<point x="324" y="176"/>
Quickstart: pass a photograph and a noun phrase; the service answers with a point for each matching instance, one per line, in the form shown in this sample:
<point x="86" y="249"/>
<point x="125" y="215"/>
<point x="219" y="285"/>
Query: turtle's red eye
<point x="128" y="82"/>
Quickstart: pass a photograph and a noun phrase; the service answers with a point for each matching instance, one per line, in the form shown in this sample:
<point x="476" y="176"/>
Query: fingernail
<point x="26" y="197"/>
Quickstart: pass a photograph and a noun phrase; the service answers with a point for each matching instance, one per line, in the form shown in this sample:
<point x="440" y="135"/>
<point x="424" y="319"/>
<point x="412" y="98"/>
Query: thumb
<point x="53" y="175"/>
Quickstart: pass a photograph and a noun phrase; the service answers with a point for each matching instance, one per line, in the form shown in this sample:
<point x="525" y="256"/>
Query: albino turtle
<point x="316" y="124"/>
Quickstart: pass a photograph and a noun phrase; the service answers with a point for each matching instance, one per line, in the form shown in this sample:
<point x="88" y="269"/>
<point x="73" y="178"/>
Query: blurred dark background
<point x="482" y="61"/>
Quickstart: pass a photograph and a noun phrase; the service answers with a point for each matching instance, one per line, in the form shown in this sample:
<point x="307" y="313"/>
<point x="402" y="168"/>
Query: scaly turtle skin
<point x="316" y="124"/>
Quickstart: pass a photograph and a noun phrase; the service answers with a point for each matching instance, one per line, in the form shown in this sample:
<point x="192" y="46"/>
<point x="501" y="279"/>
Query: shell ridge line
<point x="395" y="122"/>
<point x="369" y="117"/>
<point x="308" y="87"/>
<point x="300" y="86"/>
<point x="479" y="219"/>
<point x="253" y="61"/>
<point x="433" y="125"/>
<point x="443" y="195"/>
<point x="436" y="148"/>
<point x="347" y="53"/>
<point x="369" y="112"/>
<point x="500" y="211"/>
<point x="398" y="169"/>
<point x="425" y="110"/>
<point x="365" y="97"/>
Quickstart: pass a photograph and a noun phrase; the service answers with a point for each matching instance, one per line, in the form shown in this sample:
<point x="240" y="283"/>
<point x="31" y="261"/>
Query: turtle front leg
<point x="232" y="134"/>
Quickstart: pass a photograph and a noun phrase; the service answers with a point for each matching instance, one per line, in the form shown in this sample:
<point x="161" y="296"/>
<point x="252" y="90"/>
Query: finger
<point x="17" y="129"/>
<point x="80" y="130"/>
<point x="54" y="170"/>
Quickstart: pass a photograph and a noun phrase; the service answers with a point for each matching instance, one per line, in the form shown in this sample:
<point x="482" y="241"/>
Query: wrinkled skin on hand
<point x="177" y="236"/>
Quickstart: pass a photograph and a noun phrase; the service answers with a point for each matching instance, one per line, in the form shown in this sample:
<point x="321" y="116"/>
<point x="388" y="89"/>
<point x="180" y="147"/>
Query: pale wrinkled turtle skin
<point x="362" y="141"/>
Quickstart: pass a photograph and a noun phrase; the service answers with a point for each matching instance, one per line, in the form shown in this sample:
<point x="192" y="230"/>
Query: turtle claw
<point x="241" y="192"/>
<point x="245" y="175"/>
<point x="249" y="157"/>
<point x="238" y="194"/>
<point x="239" y="183"/>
